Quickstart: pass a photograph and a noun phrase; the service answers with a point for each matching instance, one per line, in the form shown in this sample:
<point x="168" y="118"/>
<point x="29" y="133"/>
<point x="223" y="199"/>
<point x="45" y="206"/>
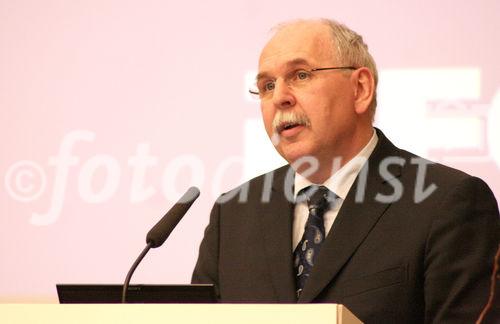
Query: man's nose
<point x="283" y="96"/>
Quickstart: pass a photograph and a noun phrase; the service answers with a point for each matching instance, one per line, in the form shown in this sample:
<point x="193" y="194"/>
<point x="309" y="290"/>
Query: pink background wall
<point x="109" y="110"/>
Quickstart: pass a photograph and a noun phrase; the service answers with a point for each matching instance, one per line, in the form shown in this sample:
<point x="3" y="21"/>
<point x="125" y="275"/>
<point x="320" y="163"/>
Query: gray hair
<point x="350" y="47"/>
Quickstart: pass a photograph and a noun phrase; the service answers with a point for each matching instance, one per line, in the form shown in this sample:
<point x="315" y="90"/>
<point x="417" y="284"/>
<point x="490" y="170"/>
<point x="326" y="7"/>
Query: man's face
<point x="325" y="102"/>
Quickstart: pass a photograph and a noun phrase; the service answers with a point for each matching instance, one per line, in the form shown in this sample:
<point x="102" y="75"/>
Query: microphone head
<point x="160" y="232"/>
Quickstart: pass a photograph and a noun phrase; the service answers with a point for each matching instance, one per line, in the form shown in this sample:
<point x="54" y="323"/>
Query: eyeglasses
<point x="264" y="87"/>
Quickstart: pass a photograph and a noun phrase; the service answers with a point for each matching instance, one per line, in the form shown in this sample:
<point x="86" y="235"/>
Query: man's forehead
<point x="296" y="44"/>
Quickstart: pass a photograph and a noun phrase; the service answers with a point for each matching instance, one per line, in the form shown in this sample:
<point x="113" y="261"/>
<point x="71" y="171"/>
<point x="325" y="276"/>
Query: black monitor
<point x="112" y="294"/>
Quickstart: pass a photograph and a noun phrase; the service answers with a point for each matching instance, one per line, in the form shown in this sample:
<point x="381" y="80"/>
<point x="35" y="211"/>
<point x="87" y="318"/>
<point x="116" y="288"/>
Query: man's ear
<point x="364" y="89"/>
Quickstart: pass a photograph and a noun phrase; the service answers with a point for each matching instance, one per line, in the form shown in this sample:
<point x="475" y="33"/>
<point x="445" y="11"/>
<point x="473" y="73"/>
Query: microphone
<point x="160" y="232"/>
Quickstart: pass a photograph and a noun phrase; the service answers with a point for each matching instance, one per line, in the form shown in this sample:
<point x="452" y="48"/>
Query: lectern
<point x="175" y="313"/>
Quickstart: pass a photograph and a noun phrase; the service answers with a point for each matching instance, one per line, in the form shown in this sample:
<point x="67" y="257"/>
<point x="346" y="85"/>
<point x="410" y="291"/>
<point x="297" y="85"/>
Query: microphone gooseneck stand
<point x="131" y="271"/>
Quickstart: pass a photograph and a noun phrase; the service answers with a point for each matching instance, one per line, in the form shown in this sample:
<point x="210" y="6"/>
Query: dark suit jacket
<point x="396" y="261"/>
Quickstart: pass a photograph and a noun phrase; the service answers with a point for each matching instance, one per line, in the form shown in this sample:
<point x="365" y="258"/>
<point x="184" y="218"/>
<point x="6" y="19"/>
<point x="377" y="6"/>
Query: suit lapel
<point x="353" y="223"/>
<point x="276" y="216"/>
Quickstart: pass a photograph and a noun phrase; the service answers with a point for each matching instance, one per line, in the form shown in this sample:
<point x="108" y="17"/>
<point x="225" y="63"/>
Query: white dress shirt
<point x="339" y="183"/>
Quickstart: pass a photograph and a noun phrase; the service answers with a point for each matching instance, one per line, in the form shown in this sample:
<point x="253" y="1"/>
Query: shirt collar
<point x="341" y="180"/>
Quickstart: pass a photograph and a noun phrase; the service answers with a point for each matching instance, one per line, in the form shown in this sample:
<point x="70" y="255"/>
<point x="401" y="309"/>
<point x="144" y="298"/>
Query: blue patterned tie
<point x="319" y="199"/>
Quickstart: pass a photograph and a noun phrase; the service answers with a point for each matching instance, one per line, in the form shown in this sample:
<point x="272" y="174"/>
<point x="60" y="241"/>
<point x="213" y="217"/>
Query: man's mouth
<point x="287" y="126"/>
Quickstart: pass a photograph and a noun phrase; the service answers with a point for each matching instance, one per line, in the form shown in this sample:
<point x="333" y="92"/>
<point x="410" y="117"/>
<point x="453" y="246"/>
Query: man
<point x="393" y="237"/>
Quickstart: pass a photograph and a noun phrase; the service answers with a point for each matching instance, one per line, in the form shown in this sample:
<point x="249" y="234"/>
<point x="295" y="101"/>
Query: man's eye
<point x="268" y="86"/>
<point x="302" y="75"/>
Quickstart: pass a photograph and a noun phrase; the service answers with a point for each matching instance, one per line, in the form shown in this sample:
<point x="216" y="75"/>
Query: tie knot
<point x="319" y="198"/>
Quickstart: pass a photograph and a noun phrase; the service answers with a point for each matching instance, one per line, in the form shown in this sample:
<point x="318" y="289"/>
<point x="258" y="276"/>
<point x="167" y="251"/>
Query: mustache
<point x="290" y="117"/>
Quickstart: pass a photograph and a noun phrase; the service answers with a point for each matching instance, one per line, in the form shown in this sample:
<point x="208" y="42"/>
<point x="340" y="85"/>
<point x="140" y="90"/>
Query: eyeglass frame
<point x="257" y="93"/>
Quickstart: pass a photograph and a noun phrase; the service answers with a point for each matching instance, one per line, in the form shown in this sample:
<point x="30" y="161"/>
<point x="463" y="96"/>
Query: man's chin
<point x="297" y="156"/>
